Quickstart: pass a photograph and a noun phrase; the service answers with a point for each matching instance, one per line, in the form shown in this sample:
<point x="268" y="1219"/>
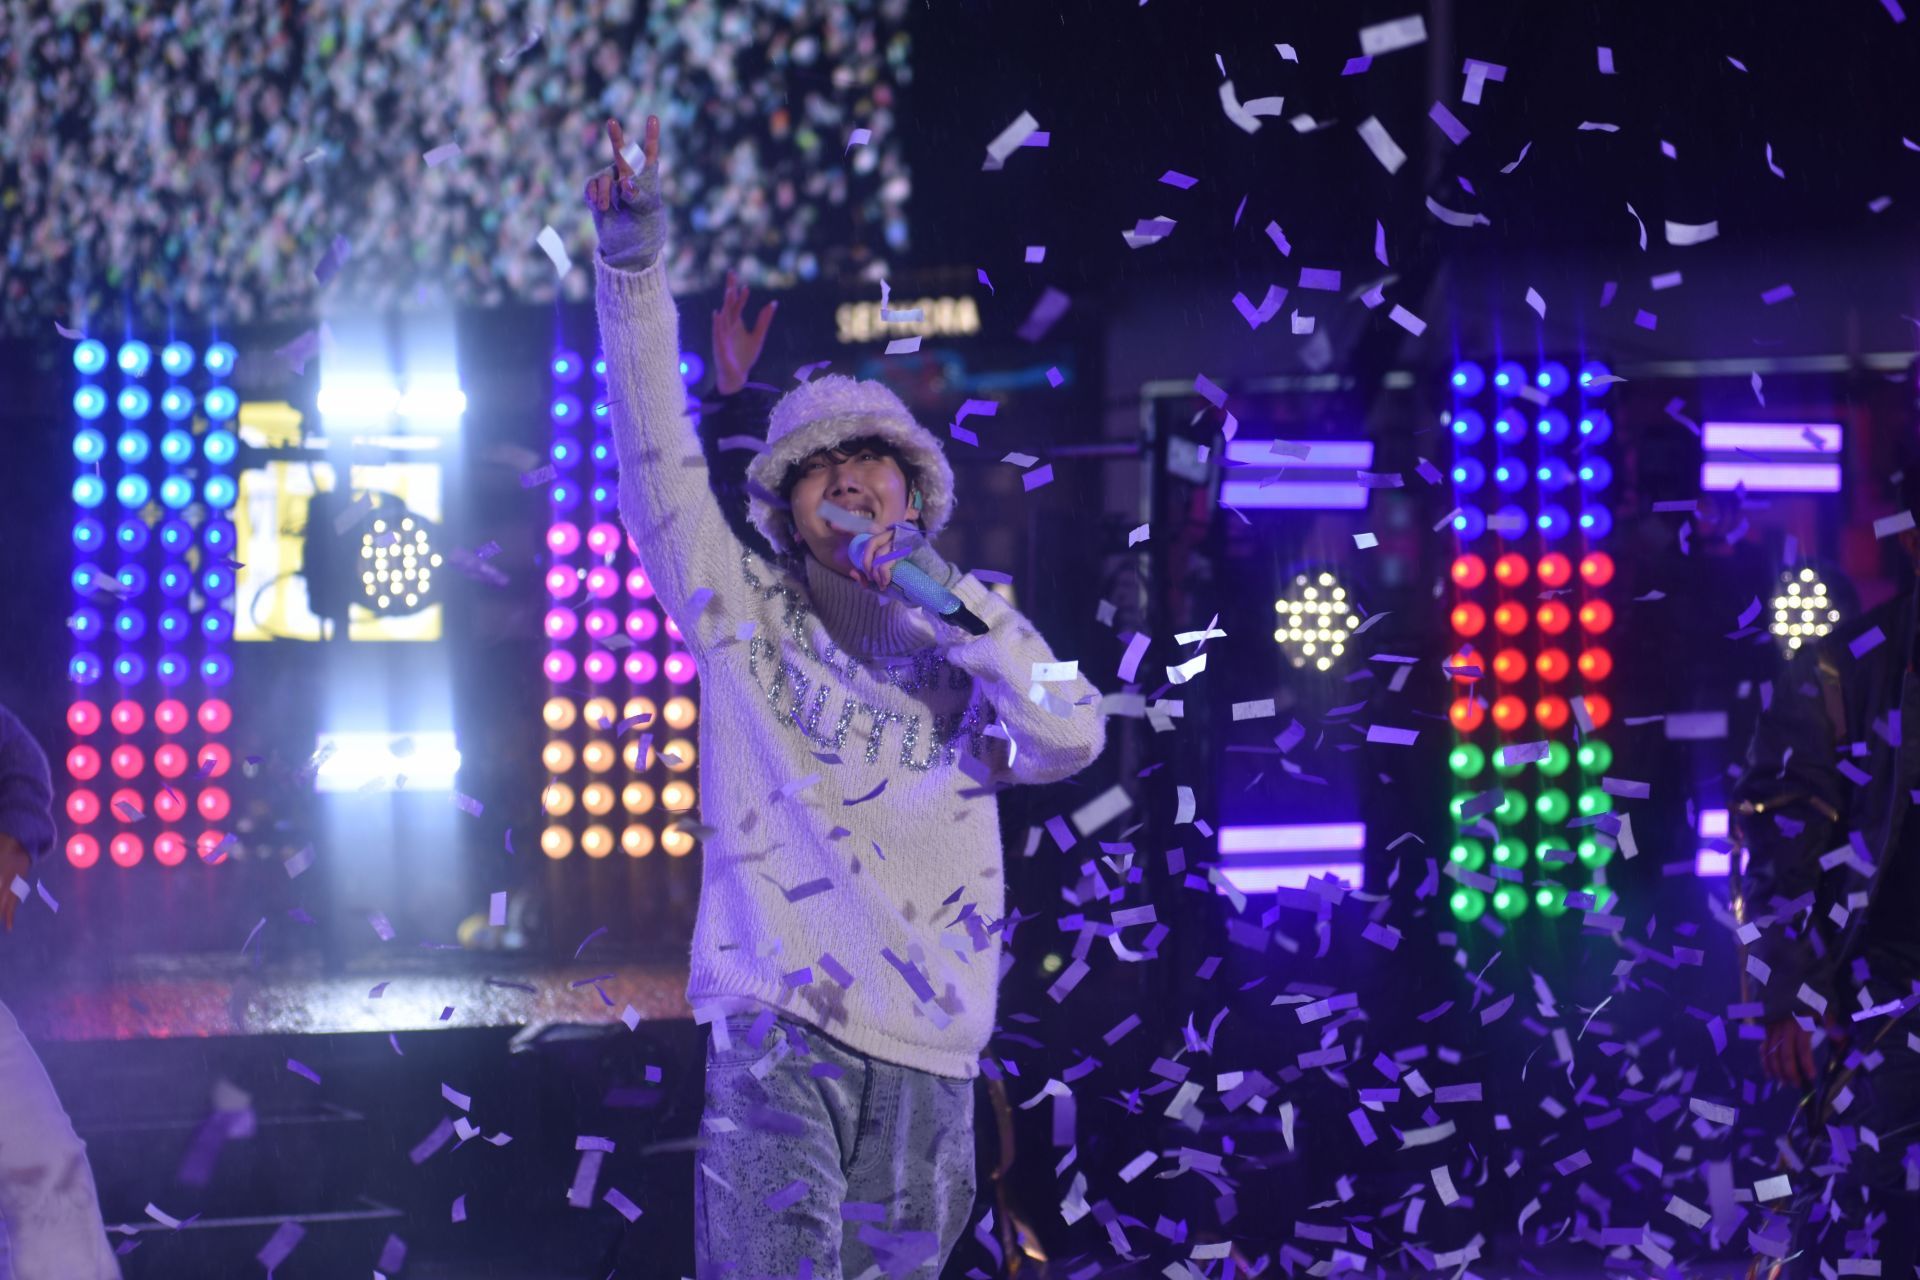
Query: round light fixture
<point x="1315" y="621"/>
<point x="1803" y="610"/>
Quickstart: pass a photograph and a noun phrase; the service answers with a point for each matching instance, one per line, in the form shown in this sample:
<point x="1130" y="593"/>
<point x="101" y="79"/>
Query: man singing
<point x="847" y="951"/>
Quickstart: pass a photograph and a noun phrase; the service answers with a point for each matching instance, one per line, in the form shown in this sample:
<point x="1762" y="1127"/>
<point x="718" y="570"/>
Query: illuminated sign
<point x="939" y="317"/>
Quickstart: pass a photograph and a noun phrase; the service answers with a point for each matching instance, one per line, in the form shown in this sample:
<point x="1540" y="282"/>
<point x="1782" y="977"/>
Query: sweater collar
<point x="861" y="621"/>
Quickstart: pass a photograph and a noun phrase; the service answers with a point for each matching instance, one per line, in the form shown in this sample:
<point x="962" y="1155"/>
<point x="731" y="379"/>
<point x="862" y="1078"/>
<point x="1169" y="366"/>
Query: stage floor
<point x="203" y="998"/>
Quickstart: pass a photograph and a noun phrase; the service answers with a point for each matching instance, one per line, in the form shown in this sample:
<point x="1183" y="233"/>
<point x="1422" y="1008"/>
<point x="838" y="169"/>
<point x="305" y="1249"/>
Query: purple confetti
<point x="869" y="796"/>
<point x="1449" y="123"/>
<point x="835" y="969"/>
<point x="1046" y="313"/>
<point x="788" y="1196"/>
<point x="801" y="892"/>
<point x="336" y="257"/>
<point x="300" y="1068"/>
<point x="280" y="1244"/>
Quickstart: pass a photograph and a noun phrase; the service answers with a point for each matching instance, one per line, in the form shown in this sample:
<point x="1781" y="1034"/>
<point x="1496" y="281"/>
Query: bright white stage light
<point x="1315" y="622"/>
<point x="387" y="762"/>
<point x="1802" y="609"/>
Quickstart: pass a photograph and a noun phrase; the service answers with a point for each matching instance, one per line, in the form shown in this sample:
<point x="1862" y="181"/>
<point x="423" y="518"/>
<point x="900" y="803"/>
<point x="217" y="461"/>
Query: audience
<point x="202" y="155"/>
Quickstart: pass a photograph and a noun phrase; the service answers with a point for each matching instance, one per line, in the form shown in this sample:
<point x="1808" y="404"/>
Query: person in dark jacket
<point x="1829" y="909"/>
<point x="47" y="1199"/>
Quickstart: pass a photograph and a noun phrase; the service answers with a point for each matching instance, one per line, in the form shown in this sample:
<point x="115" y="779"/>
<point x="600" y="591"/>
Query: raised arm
<point x="666" y="500"/>
<point x="737" y="408"/>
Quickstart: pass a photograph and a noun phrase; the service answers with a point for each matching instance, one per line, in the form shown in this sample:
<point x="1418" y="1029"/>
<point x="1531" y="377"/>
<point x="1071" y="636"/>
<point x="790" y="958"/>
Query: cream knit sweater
<point x="850" y="747"/>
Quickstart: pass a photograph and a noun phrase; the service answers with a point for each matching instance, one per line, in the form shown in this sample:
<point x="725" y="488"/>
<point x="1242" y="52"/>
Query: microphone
<point x="919" y="588"/>
<point x="916" y="586"/>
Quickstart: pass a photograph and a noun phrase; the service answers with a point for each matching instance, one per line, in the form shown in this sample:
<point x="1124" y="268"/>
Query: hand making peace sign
<point x="627" y="211"/>
<point x="621" y="181"/>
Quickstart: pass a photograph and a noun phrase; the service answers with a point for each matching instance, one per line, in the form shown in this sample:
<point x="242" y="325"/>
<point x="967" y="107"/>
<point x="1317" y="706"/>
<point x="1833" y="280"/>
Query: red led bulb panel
<point x="1531" y="621"/>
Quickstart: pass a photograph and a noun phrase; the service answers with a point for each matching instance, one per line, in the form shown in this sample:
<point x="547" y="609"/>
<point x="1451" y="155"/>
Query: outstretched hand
<point x="620" y="181"/>
<point x="628" y="214"/>
<point x="735" y="346"/>
<point x="1786" y="1056"/>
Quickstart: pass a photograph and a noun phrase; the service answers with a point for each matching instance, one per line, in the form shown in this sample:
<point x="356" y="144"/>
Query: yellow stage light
<point x="597" y="799"/>
<point x="638" y="797"/>
<point x="557" y="799"/>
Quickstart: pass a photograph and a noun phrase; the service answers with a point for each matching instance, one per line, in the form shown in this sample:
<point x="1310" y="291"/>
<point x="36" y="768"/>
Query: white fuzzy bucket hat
<point x="823" y="412"/>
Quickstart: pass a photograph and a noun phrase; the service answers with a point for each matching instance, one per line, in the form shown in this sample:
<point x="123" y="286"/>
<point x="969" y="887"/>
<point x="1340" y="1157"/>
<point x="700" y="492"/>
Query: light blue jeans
<point x="822" y="1162"/>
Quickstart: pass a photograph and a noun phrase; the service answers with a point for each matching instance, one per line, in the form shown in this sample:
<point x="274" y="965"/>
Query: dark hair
<point x="879" y="444"/>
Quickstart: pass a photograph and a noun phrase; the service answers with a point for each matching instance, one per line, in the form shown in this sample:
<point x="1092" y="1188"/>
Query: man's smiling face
<point x="861" y="476"/>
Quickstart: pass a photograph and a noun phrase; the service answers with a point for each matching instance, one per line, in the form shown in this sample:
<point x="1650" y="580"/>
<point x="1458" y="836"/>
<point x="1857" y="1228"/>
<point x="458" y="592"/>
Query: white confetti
<point x="1686" y="233"/>
<point x="1454" y="218"/>
<point x="1412" y="323"/>
<point x="1384" y="148"/>
<point x="550" y="244"/>
<point x="1187" y="670"/>
<point x="1898" y="522"/>
<point x="1010" y="139"/>
<point x="1692" y="1215"/>
<point x="1386" y="37"/>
